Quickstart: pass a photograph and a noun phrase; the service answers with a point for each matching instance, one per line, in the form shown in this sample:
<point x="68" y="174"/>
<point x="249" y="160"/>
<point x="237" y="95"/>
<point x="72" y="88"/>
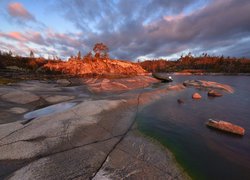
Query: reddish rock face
<point x="226" y="126"/>
<point x="196" y="96"/>
<point x="101" y="66"/>
<point x="213" y="93"/>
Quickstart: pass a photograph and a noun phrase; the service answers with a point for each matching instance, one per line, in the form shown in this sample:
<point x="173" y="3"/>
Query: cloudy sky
<point x="133" y="29"/>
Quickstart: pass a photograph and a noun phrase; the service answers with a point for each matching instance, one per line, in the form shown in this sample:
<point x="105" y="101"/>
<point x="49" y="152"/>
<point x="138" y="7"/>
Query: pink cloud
<point x="14" y="36"/>
<point x="17" y="10"/>
<point x="31" y="36"/>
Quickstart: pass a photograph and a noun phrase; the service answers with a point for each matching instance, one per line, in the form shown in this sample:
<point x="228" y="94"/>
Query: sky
<point x="132" y="29"/>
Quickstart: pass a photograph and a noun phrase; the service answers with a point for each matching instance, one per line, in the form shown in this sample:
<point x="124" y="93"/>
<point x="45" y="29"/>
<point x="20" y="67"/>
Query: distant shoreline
<point x="210" y="74"/>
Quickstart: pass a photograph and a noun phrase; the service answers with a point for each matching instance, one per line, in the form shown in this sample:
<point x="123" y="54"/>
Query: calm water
<point x="203" y="152"/>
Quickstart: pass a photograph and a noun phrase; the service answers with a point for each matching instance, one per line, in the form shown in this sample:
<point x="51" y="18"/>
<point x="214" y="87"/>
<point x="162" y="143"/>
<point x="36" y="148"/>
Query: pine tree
<point x="79" y="56"/>
<point x="32" y="54"/>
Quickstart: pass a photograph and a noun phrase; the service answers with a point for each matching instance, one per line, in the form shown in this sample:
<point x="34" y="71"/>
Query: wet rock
<point x="177" y="87"/>
<point x="20" y="97"/>
<point x="226" y="126"/>
<point x="164" y="79"/>
<point x="213" y="93"/>
<point x="196" y="96"/>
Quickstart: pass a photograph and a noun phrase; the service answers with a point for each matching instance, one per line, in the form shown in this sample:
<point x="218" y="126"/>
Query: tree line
<point x="203" y="63"/>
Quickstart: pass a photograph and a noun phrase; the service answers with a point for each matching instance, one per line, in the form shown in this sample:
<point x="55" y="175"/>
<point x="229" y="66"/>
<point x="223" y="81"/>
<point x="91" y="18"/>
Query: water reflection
<point x="49" y="110"/>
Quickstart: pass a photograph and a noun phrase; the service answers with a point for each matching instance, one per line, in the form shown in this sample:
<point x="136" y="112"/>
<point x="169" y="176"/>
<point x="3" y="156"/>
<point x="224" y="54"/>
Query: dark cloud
<point x="159" y="28"/>
<point x="150" y="28"/>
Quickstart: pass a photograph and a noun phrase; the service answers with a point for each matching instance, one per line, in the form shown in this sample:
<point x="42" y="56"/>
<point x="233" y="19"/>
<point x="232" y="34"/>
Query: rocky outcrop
<point x="94" y="139"/>
<point x="99" y="67"/>
<point x="213" y="93"/>
<point x="115" y="85"/>
<point x="196" y="96"/>
<point x="208" y="85"/>
<point x="226" y="126"/>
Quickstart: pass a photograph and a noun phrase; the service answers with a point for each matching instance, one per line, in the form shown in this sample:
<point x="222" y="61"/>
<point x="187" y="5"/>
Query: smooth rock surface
<point x="80" y="162"/>
<point x="20" y="97"/>
<point x="136" y="157"/>
<point x="74" y="143"/>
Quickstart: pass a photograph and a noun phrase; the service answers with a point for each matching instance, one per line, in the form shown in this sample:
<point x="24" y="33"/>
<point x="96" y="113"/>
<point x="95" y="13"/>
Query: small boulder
<point x="196" y="96"/>
<point x="213" y="93"/>
<point x="180" y="101"/>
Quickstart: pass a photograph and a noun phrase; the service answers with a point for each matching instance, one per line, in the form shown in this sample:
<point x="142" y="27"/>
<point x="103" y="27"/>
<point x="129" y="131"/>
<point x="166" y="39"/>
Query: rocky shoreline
<point x="83" y="129"/>
<point x="96" y="138"/>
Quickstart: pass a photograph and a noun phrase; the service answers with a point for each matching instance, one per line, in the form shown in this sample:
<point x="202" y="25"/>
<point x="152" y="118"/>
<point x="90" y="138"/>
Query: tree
<point x="101" y="50"/>
<point x="10" y="53"/>
<point x="32" y="54"/>
<point x="79" y="56"/>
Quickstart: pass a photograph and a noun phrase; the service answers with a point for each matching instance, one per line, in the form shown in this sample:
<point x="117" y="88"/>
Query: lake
<point x="203" y="152"/>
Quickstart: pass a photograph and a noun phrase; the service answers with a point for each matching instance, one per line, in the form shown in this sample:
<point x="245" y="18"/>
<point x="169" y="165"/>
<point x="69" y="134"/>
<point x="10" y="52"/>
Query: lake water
<point x="204" y="153"/>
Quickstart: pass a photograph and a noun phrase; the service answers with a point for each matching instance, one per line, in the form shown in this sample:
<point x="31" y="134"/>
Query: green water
<point x="204" y="153"/>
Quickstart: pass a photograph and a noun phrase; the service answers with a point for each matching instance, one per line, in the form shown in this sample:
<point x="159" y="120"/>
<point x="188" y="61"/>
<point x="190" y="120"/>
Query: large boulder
<point x="226" y="127"/>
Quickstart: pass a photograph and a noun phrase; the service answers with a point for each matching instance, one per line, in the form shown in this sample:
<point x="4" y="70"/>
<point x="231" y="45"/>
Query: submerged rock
<point x="208" y="85"/>
<point x="196" y="96"/>
<point x="226" y="126"/>
<point x="180" y="101"/>
<point x="213" y="93"/>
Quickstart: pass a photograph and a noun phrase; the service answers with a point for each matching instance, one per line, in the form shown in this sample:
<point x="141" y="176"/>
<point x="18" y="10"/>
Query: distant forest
<point x="201" y="64"/>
